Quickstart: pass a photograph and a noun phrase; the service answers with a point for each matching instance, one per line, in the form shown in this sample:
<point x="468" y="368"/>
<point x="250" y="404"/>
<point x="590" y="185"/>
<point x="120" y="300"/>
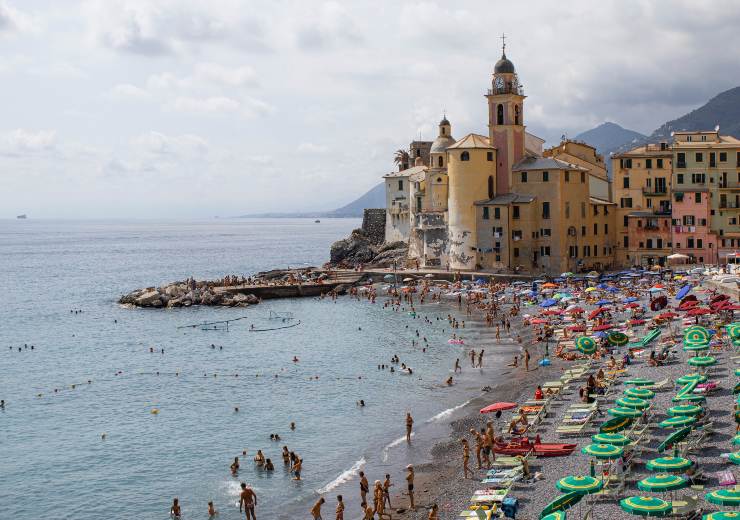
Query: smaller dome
<point x="504" y="66"/>
<point x="444" y="121"/>
<point x="441" y="144"/>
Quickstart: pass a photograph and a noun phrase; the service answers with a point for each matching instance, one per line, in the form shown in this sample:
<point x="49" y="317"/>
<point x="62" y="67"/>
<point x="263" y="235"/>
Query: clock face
<point x="498" y="82"/>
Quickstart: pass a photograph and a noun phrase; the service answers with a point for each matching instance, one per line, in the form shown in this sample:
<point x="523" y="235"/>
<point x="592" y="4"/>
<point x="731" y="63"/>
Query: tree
<point x="401" y="158"/>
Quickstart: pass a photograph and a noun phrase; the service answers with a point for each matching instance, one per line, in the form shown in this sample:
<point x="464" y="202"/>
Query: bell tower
<point x="506" y="119"/>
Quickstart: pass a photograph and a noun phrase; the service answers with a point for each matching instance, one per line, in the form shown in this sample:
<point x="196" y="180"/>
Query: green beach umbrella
<point x="724" y="497"/>
<point x="663" y="464"/>
<point x="602" y="451"/>
<point x="734" y="457"/>
<point x="695" y="346"/>
<point x="737" y="372"/>
<point x="696" y="334"/>
<point x="633" y="402"/>
<point x="677" y="422"/>
<point x="617" y="339"/>
<point x="642" y="393"/>
<point x="622" y="411"/>
<point x="662" y="482"/>
<point x="721" y="515"/>
<point x="689" y="378"/>
<point x="673" y="438"/>
<point x="611" y="438"/>
<point x="586" y="345"/>
<point x="686" y="409"/>
<point x="691" y="398"/>
<point x="616" y="424"/>
<point x="582" y="485"/>
<point x="646" y="506"/>
<point x="639" y="381"/>
<point x="557" y="515"/>
<point x="736" y="439"/>
<point x="702" y="361"/>
<point x="737" y="417"/>
<point x="736" y="390"/>
<point x="733" y="330"/>
<point x="561" y="503"/>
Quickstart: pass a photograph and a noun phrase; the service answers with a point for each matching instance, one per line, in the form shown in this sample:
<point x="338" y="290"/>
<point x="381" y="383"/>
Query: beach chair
<point x="686" y="506"/>
<point x="659" y="386"/>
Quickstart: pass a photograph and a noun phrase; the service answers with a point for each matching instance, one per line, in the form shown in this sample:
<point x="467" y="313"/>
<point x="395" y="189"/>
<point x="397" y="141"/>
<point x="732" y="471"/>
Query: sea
<point x="111" y="412"/>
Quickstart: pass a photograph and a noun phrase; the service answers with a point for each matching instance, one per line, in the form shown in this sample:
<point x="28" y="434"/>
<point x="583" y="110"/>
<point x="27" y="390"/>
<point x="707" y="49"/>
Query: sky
<point x="190" y="109"/>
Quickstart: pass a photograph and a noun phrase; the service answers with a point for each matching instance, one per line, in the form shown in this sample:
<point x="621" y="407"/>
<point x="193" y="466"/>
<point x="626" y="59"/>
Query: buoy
<point x="154" y="411"/>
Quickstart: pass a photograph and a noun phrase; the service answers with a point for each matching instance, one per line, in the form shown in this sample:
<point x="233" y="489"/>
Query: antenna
<point x="716" y="128"/>
<point x="503" y="44"/>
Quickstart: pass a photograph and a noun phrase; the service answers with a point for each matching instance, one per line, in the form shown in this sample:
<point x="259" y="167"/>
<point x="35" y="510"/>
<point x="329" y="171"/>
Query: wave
<point x="444" y="414"/>
<point x="343" y="477"/>
<point x="393" y="444"/>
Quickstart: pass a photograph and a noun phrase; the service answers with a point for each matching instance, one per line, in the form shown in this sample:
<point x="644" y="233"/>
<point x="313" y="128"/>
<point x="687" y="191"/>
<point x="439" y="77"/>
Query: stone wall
<point x="373" y="224"/>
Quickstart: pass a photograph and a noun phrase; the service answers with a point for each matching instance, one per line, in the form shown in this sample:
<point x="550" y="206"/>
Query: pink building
<point x="691" y="234"/>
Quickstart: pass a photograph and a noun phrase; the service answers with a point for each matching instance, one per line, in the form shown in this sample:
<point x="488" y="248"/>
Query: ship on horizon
<point x="22" y="217"/>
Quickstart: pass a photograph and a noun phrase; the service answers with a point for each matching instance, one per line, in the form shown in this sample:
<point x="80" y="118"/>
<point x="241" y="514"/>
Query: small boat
<point x="22" y="217"/>
<point x="522" y="446"/>
<point x="317" y="221"/>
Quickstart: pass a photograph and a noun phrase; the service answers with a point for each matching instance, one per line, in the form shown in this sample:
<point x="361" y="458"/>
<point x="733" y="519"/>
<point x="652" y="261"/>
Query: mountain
<point x="375" y="198"/>
<point x="608" y="137"/>
<point x="723" y="110"/>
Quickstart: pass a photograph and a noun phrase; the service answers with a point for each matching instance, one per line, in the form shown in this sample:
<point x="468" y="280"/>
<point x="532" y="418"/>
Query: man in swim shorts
<point x="248" y="499"/>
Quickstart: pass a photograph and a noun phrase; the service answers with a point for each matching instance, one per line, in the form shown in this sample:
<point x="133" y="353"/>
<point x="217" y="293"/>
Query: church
<point x="498" y="200"/>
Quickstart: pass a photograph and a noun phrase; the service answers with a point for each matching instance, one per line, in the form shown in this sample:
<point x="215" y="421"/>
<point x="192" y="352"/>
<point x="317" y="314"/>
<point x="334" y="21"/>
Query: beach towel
<point x="726" y="478"/>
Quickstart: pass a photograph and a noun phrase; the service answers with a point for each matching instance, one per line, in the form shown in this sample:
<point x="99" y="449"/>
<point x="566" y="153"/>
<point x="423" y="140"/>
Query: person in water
<point x="286" y="456"/>
<point x="449" y="381"/>
<point x="259" y="459"/>
<point x="235" y="466"/>
<point x="409" y="426"/>
<point x="175" y="508"/>
<point x="269" y="466"/>
<point x="316" y="509"/>
<point x="340" y="508"/>
<point x="211" y="510"/>
<point x="248" y="500"/>
<point x="297" y="465"/>
<point x="364" y="488"/>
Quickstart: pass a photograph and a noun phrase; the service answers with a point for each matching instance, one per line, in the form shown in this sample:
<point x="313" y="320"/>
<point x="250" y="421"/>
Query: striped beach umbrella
<point x="686" y="409"/>
<point x="611" y="438"/>
<point x="633" y="402"/>
<point x="639" y="381"/>
<point x="690" y="398"/>
<point x="677" y="422"/>
<point x="579" y="484"/>
<point x="646" y="506"/>
<point x="733" y="330"/>
<point x="623" y="411"/>
<point x="737" y="372"/>
<point x="702" y="361"/>
<point x="556" y="515"/>
<point x="561" y="503"/>
<point x="668" y="464"/>
<point x="642" y="393"/>
<point x="616" y="424"/>
<point x="689" y="378"/>
<point x="724" y="497"/>
<point x="721" y="515"/>
<point x="662" y="482"/>
<point x="617" y="338"/>
<point x="673" y="438"/>
<point x="586" y="345"/>
<point x="736" y="439"/>
<point x="696" y="347"/>
<point x="603" y="451"/>
<point x="734" y="457"/>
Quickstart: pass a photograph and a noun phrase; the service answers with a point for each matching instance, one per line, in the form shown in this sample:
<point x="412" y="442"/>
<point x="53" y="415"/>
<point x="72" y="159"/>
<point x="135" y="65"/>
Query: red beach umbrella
<point x="577" y="328"/>
<point x="577" y="310"/>
<point x="596" y="313"/>
<point x="632" y="305"/>
<point x="495" y="407"/>
<point x="538" y="322"/>
<point x="603" y="327"/>
<point x="551" y="312"/>
<point x="698" y="311"/>
<point x="637" y="322"/>
<point x="667" y="316"/>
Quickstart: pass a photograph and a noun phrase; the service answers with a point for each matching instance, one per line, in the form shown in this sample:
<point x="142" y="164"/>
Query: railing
<point x="729" y="205"/>
<point x="680" y="164"/>
<point x="655" y="191"/>
<point x="507" y="89"/>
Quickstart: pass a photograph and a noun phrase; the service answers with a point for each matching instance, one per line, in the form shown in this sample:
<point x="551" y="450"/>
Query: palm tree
<point x="401" y="158"/>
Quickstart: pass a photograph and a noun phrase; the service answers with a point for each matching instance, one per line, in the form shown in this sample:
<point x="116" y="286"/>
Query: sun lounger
<point x="660" y="385"/>
<point x="687" y="505"/>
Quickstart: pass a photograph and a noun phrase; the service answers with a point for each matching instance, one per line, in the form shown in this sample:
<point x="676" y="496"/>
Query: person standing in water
<point x="340" y="508"/>
<point x="175" y="508"/>
<point x="364" y="488"/>
<point x="409" y="426"/>
<point x="458" y="368"/>
<point x="248" y="500"/>
<point x="316" y="509"/>
<point x="480" y="358"/>
<point x="472" y="358"/>
<point x="410" y="485"/>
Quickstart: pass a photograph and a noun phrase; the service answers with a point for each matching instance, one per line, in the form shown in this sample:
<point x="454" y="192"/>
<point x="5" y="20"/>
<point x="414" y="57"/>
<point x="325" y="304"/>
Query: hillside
<point x="608" y="137"/>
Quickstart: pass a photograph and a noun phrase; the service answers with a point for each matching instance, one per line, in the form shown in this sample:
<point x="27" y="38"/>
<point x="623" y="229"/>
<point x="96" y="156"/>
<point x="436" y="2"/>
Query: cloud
<point x="183" y="146"/>
<point x="133" y="31"/>
<point x="246" y="107"/>
<point x="128" y="91"/>
<point x="21" y="142"/>
<point x="243" y="76"/>
<point x="311" y="148"/>
<point x="331" y="25"/>
<point x="11" y="19"/>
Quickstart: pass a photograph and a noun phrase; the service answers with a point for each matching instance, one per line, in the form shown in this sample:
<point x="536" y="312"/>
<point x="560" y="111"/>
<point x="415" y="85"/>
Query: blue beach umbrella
<point x="630" y="299"/>
<point x="601" y="303"/>
<point x="548" y="303"/>
<point x="683" y="292"/>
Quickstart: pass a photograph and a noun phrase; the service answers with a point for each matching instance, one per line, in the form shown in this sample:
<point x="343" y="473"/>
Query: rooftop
<point x="545" y="163"/>
<point x="406" y="173"/>
<point x="506" y="198"/>
<point x="472" y="141"/>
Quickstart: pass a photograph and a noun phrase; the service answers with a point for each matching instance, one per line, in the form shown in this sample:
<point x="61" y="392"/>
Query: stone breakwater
<point x="184" y="294"/>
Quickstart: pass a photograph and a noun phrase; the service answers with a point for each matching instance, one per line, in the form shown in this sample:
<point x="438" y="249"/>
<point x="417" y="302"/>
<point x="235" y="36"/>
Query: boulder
<point x="353" y="250"/>
<point x="388" y="256"/>
<point x="148" y="298"/>
<point x="252" y="299"/>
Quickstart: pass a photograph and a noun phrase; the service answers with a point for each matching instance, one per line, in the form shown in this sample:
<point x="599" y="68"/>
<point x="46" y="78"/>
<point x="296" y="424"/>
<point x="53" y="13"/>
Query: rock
<point x="148" y="298"/>
<point x="355" y="249"/>
<point x="252" y="299"/>
<point x="388" y="256"/>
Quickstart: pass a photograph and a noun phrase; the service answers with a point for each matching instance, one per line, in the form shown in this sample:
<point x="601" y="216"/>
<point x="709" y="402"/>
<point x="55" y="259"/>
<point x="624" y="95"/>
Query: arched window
<point x="490" y="186"/>
<point x="439" y="179"/>
<point x="440" y="161"/>
<point x="500" y="115"/>
<point x="444" y="130"/>
<point x="516" y="114"/>
<point x="465" y="156"/>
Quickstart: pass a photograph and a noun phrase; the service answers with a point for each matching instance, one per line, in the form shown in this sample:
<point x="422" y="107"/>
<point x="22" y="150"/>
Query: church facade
<point x="498" y="201"/>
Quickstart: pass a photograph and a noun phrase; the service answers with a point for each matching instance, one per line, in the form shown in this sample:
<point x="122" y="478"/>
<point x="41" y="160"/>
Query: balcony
<point x="680" y="164"/>
<point x="399" y="209"/>
<point x="660" y="191"/>
<point x="731" y="186"/>
<point x="729" y="205"/>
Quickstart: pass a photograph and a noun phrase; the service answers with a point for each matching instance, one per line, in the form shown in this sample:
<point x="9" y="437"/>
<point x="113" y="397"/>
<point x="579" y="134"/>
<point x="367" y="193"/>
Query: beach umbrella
<point x="584" y="485"/>
<point x="555" y="515"/>
<point x="602" y="303"/>
<point x="630" y="299"/>
<point x="674" y="438"/>
<point x="548" y="303"/>
<point x="662" y="464"/>
<point x="633" y="402"/>
<point x="696" y="334"/>
<point x="686" y="409"/>
<point x="389" y="278"/>
<point x="698" y="311"/>
<point x="617" y="338"/>
<point x="724" y="497"/>
<point x="683" y="292"/>
<point x="646" y="506"/>
<point x="561" y="503"/>
<point x="734" y="457"/>
<point x="590" y="289"/>
<point x="606" y="326"/>
<point x="677" y="422"/>
<point x="623" y="411"/>
<point x="702" y="361"/>
<point x="616" y="424"/>
<point x="642" y="393"/>
<point x="567" y="274"/>
<point x="736" y="439"/>
<point x="662" y="482"/>
<point x="691" y="398"/>
<point x="495" y="407"/>
<point x="733" y="330"/>
<point x="429" y="275"/>
<point x="611" y="438"/>
<point x="586" y="345"/>
<point x="633" y="306"/>
<point x="737" y="372"/>
<point x="603" y="451"/>
<point x="405" y="280"/>
<point x="639" y="381"/>
<point x="695" y="347"/>
<point x="721" y="515"/>
<point x="549" y="285"/>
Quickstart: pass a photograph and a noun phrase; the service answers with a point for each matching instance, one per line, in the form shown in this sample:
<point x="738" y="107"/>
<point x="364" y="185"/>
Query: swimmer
<point x="449" y="381"/>
<point x="277" y="437"/>
<point x="457" y="368"/>
<point x="269" y="466"/>
<point x="292" y="426"/>
<point x="286" y="456"/>
<point x="248" y="499"/>
<point x="235" y="466"/>
<point x="295" y="359"/>
<point x="236" y="409"/>
<point x="259" y="459"/>
<point x="211" y="510"/>
<point x="361" y="403"/>
<point x="175" y="509"/>
<point x="297" y="468"/>
<point x="409" y="426"/>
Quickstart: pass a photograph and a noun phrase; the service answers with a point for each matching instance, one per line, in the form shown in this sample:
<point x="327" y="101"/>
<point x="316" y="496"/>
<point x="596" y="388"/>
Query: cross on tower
<point x="503" y="43"/>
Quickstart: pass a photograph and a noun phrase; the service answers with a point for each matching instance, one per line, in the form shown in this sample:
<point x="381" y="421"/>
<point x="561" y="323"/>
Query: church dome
<point x="441" y="144"/>
<point x="504" y="66"/>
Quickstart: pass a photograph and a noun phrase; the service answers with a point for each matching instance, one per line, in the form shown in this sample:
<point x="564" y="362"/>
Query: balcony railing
<point x="655" y="192"/>
<point x="680" y="164"/>
<point x="729" y="205"/>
